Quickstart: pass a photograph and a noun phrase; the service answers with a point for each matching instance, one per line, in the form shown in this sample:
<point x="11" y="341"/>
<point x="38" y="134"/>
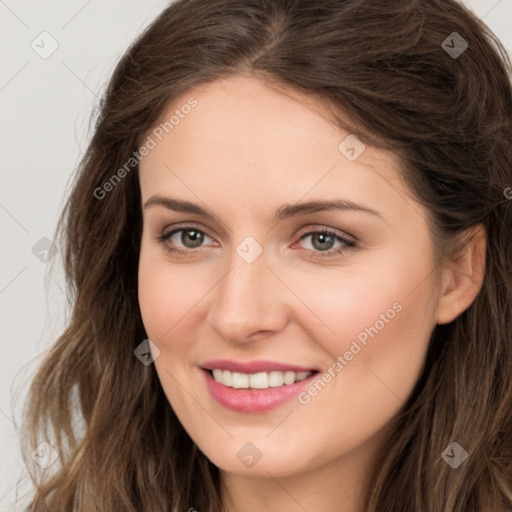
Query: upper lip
<point x="253" y="366"/>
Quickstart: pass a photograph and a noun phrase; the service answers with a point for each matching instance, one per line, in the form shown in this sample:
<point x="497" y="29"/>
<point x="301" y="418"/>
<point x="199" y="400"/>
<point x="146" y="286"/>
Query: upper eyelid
<point x="177" y="229"/>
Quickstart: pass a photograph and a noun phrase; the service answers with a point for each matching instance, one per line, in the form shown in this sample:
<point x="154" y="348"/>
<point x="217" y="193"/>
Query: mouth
<point x="255" y="392"/>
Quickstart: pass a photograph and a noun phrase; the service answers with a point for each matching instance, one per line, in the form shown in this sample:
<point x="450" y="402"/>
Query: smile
<point x="257" y="389"/>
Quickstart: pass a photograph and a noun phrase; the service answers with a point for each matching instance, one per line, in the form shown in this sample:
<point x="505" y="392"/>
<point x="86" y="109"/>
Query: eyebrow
<point x="284" y="212"/>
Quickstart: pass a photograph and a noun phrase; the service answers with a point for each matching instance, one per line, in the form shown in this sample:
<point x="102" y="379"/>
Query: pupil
<point x="322" y="237"/>
<point x="196" y="237"/>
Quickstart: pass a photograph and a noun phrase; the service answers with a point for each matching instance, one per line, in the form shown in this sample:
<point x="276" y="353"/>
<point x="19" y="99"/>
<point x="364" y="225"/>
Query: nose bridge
<point x="248" y="298"/>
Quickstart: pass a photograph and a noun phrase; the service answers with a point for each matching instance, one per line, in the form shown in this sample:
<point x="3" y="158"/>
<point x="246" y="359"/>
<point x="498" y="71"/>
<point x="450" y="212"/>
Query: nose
<point x="249" y="301"/>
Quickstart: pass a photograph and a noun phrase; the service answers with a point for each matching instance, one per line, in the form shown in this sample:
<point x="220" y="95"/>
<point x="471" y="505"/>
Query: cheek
<point x="383" y="310"/>
<point x="171" y="299"/>
<point x="164" y="296"/>
<point x="382" y="317"/>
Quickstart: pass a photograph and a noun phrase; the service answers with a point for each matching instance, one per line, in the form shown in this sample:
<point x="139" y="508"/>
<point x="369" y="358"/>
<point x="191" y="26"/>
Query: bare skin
<point x="242" y="153"/>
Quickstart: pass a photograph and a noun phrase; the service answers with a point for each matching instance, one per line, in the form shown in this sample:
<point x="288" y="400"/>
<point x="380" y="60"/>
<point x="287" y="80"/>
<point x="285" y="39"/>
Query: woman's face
<point x="265" y="292"/>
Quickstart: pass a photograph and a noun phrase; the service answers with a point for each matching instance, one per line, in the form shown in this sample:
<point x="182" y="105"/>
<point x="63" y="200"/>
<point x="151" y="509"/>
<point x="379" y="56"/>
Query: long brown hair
<point x="393" y="68"/>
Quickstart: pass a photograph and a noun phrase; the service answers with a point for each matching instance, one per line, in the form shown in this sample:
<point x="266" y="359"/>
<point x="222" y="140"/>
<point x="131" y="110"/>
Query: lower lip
<point x="254" y="400"/>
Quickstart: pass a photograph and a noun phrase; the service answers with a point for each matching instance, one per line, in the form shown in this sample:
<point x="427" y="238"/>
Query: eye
<point x="322" y="243"/>
<point x="189" y="236"/>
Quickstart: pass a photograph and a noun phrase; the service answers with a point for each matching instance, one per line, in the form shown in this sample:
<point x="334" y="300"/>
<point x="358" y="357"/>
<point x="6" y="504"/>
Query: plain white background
<point x="46" y="104"/>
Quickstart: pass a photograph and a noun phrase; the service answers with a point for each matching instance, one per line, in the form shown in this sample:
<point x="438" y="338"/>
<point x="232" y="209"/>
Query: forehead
<point x="253" y="114"/>
<point x="245" y="135"/>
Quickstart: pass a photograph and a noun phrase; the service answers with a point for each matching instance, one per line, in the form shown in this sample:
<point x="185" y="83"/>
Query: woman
<point x="289" y="250"/>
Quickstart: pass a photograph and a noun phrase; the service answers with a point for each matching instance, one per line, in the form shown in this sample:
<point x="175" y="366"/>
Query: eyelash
<point x="349" y="244"/>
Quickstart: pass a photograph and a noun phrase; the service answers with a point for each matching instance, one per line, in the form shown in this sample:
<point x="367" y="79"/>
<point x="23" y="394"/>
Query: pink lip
<point x="253" y="366"/>
<point x="253" y="400"/>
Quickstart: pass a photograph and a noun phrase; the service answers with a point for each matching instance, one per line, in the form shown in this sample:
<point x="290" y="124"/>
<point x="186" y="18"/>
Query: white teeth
<point x="289" y="378"/>
<point x="260" y="380"/>
<point x="275" y="379"/>
<point x="240" y="380"/>
<point x="227" y="377"/>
